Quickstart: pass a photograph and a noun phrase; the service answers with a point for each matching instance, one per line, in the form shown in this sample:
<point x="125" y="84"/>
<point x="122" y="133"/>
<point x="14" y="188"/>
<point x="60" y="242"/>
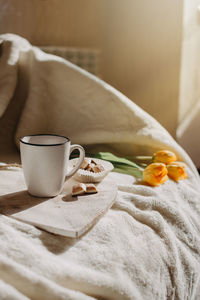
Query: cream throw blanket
<point x="148" y="245"/>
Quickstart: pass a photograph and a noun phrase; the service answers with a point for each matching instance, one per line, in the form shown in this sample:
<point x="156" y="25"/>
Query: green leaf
<point x="121" y="164"/>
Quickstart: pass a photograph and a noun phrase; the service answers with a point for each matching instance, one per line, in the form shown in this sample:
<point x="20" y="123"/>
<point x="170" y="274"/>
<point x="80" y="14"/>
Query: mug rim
<point x="43" y="134"/>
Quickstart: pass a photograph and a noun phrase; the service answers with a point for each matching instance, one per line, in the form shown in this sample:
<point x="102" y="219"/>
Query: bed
<point x="147" y="246"/>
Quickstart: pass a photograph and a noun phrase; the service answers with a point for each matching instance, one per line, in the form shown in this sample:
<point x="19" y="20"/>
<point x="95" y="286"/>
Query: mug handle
<point x="80" y="160"/>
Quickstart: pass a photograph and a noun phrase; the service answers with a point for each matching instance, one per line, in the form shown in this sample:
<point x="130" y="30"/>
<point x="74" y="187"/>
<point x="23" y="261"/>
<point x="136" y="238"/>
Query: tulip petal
<point x="155" y="174"/>
<point x="164" y="156"/>
<point x="176" y="171"/>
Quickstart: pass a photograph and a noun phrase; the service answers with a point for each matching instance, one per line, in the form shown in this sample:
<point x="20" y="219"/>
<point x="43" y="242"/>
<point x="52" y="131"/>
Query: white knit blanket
<point x="148" y="245"/>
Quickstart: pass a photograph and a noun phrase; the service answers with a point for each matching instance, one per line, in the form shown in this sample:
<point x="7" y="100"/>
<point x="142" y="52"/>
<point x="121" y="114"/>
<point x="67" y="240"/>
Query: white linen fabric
<point x="148" y="245"/>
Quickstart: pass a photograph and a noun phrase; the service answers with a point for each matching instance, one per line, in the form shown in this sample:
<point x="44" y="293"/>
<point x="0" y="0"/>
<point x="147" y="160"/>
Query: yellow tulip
<point x="164" y="156"/>
<point x="176" y="170"/>
<point x="155" y="174"/>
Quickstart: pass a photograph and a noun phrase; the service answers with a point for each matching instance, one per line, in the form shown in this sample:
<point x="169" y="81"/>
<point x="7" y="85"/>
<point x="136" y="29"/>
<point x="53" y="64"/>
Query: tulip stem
<point x="143" y="161"/>
<point x="143" y="158"/>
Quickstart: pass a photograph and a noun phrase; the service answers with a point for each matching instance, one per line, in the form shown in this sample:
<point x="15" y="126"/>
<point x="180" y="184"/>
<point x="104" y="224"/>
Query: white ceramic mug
<point x="45" y="160"/>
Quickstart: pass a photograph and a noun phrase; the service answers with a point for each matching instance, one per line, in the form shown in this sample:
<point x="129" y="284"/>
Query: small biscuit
<point x="93" y="162"/>
<point x="85" y="163"/>
<point x="89" y="168"/>
<point x="97" y="168"/>
<point x="91" y="188"/>
<point x="78" y="189"/>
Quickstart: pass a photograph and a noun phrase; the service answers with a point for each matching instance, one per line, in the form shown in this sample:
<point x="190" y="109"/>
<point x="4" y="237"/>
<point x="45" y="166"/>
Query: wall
<point x="190" y="70"/>
<point x="140" y="42"/>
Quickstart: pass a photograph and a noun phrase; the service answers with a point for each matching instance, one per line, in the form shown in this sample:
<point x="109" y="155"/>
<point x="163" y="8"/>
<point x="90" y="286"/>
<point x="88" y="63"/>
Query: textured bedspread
<point x="148" y="245"/>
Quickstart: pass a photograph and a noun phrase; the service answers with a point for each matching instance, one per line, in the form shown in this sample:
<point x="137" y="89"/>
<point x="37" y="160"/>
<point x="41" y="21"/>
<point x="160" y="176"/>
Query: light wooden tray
<point x="64" y="215"/>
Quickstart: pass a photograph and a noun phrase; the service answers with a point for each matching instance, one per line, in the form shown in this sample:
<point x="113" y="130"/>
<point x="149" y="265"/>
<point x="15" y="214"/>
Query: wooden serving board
<point x="64" y="215"/>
